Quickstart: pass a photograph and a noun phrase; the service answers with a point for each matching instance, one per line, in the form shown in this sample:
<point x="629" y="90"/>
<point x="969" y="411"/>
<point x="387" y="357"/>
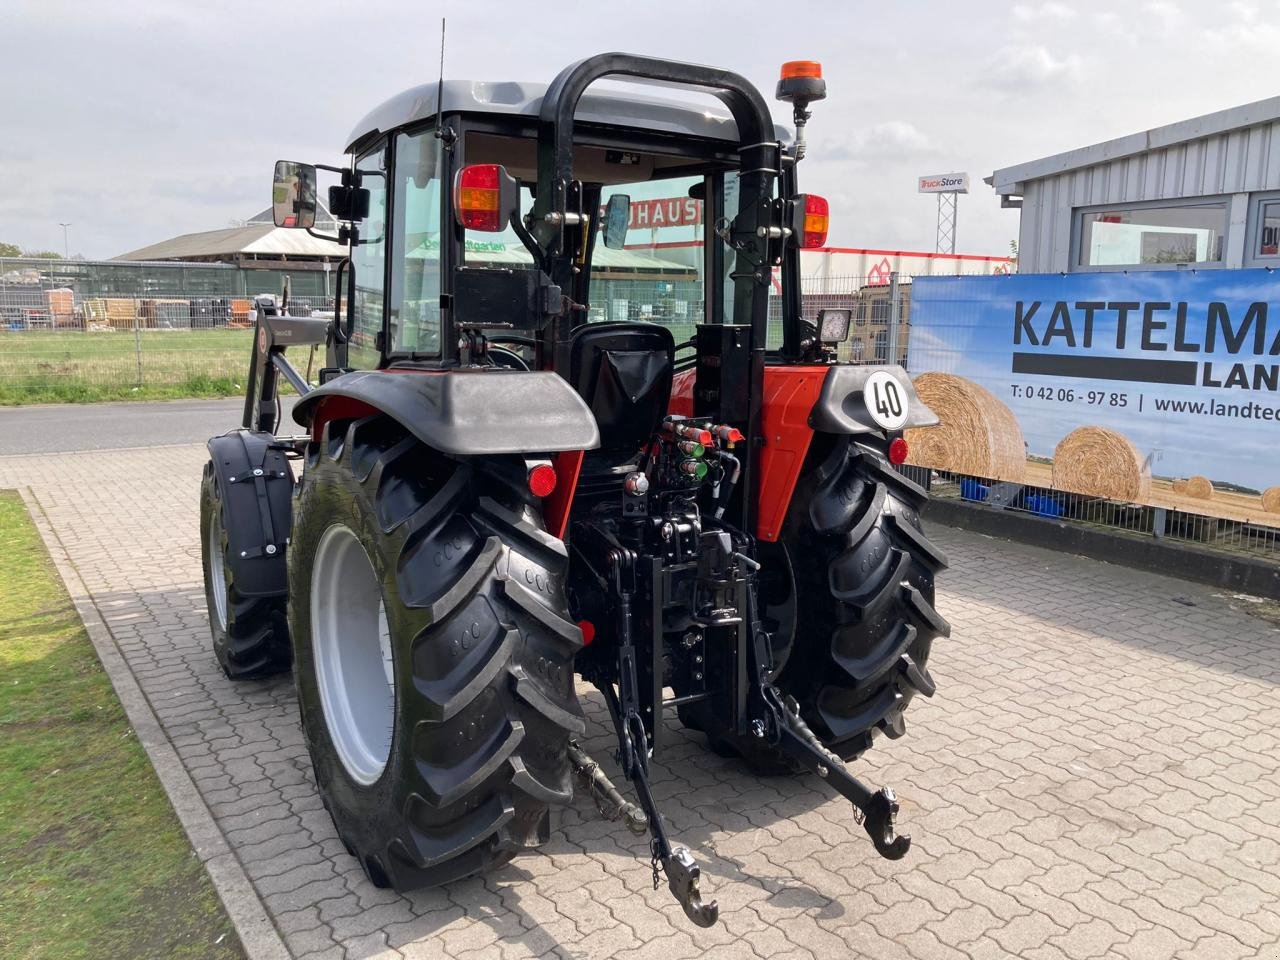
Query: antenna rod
<point x="440" y="82"/>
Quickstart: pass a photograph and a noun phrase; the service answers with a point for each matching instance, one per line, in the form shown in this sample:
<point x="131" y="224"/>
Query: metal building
<point x="1202" y="193"/>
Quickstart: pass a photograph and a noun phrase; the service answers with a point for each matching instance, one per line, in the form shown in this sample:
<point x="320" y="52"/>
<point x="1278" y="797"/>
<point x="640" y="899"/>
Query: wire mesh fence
<point x="73" y="330"/>
<point x="76" y="330"/>
<point x="1256" y="540"/>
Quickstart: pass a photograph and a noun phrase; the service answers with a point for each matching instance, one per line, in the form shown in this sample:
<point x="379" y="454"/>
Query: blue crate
<point x="971" y="489"/>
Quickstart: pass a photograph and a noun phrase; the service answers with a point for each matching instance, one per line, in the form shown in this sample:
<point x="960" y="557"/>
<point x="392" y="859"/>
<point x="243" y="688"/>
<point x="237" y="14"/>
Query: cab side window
<point x="369" y="260"/>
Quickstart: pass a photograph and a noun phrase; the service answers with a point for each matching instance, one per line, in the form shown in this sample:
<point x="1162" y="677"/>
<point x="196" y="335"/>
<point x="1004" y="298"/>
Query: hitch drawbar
<point x="769" y="716"/>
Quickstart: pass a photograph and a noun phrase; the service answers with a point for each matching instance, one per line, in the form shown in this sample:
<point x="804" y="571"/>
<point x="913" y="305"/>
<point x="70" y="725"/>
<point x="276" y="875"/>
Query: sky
<point x="139" y="121"/>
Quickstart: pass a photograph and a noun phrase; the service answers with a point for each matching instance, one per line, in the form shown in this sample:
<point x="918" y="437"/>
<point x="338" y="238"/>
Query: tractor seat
<point x="623" y="371"/>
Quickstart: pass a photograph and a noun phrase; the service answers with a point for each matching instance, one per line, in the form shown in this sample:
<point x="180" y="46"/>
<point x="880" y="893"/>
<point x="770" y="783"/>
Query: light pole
<point x="66" y="246"/>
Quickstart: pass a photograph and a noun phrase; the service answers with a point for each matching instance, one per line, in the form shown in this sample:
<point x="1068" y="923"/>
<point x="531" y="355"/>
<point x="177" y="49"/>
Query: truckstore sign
<point x="1155" y="387"/>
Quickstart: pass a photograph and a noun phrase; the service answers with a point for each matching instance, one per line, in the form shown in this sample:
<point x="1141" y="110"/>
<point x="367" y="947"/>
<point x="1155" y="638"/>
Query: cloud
<point x="1022" y="67"/>
<point x="1050" y="10"/>
<point x="887" y="140"/>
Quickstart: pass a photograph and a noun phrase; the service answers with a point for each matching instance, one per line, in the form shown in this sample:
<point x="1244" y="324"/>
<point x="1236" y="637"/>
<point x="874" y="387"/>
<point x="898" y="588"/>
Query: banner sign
<point x="1152" y="387"/>
<point x="666" y="212"/>
<point x="944" y="183"/>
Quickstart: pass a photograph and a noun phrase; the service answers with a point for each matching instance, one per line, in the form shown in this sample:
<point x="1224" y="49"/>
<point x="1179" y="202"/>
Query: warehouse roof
<point x="1010" y="180"/>
<point x="259" y="236"/>
<point x="258" y="239"/>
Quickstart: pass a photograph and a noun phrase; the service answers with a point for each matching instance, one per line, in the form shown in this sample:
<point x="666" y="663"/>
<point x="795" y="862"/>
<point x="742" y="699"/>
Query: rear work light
<point x="811" y="219"/>
<point x="484" y="197"/>
<point x="898" y="451"/>
<point x="542" y="480"/>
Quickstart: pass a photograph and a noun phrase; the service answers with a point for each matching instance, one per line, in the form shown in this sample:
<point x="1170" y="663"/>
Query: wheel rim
<point x="351" y="646"/>
<point x="217" y="571"/>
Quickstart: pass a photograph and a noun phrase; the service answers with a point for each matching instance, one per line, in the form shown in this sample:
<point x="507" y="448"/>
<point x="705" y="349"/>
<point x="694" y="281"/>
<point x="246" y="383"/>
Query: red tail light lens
<point x="477" y="197"/>
<point x="898" y="451"/>
<point x="814" y="220"/>
<point x="588" y="631"/>
<point x="542" y="480"/>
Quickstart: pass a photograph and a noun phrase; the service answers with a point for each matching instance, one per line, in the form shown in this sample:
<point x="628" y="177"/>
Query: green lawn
<point x="93" y="862"/>
<point x="75" y="366"/>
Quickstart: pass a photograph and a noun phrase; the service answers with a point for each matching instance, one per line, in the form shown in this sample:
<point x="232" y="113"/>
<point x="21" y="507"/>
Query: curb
<point x="258" y="935"/>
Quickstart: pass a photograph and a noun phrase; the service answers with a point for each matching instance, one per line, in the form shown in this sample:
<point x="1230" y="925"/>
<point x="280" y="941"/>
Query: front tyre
<point x="433" y="655"/>
<point x="250" y="633"/>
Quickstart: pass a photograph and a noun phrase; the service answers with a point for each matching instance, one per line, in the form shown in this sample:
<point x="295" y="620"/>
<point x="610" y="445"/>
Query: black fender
<point x="466" y="412"/>
<point x="842" y="409"/>
<point x="256" y="488"/>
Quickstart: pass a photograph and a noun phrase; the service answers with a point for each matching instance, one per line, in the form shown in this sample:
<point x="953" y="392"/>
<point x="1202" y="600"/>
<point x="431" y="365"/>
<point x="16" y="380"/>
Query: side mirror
<point x="293" y="195"/>
<point x="617" y="217"/>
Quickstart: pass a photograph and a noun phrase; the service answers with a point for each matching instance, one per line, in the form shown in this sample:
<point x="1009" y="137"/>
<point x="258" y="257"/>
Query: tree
<point x="9" y="250"/>
<point x="42" y="254"/>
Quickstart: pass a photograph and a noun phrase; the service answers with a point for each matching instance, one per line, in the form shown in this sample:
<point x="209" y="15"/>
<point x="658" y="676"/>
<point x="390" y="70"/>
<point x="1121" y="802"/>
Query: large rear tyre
<point x="250" y="633"/>
<point x="847" y="593"/>
<point x="433" y="655"/>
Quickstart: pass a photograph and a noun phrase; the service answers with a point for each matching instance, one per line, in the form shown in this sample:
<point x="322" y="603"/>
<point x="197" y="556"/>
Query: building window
<point x="1153" y="235"/>
<point x="882" y="346"/>
<point x="1269" y="230"/>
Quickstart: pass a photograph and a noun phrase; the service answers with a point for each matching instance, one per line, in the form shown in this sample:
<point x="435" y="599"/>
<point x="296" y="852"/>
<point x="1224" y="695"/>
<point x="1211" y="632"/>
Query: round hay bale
<point x="1271" y="500"/>
<point x="1101" y="463"/>
<point x="1199" y="488"/>
<point x="1180" y="486"/>
<point x="978" y="435"/>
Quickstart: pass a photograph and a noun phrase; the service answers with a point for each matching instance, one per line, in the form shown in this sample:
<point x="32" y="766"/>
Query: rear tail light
<point x="588" y="631"/>
<point x="483" y="197"/>
<point x="898" y="451"/>
<point x="812" y="217"/>
<point x="542" y="480"/>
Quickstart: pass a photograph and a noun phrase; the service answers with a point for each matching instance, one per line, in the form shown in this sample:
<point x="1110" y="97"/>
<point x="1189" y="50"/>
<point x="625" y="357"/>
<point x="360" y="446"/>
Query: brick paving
<point x="1098" y="776"/>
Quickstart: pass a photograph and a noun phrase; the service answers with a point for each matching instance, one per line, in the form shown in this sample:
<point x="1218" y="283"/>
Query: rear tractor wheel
<point x="433" y="655"/>
<point x="847" y="593"/>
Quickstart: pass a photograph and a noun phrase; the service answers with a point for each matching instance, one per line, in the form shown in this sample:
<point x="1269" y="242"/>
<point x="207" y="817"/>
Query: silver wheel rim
<point x="217" y="571"/>
<point x="351" y="646"/>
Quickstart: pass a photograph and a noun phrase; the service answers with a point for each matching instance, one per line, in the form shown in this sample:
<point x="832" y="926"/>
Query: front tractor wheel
<point x="250" y="635"/>
<point x="433" y="655"/>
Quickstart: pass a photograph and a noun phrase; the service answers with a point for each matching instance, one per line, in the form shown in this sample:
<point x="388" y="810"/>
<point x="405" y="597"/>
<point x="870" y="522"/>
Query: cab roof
<point x="711" y="121"/>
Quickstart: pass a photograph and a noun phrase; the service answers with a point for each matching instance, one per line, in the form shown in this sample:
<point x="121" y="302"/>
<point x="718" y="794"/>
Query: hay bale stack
<point x="978" y="434"/>
<point x="1180" y="486"/>
<point x="1271" y="500"/>
<point x="1199" y="488"/>
<point x="1101" y="463"/>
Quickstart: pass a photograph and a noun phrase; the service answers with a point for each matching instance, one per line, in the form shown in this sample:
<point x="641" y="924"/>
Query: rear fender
<point x="799" y="400"/>
<point x="256" y="487"/>
<point x="461" y="412"/>
<point x="471" y="413"/>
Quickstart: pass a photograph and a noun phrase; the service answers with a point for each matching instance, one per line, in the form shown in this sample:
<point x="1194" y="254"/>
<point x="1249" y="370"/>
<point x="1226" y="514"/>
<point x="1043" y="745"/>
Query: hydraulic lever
<point x="681" y="869"/>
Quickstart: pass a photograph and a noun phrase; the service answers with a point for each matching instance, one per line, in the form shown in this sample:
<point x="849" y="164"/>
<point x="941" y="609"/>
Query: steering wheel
<point x="507" y="357"/>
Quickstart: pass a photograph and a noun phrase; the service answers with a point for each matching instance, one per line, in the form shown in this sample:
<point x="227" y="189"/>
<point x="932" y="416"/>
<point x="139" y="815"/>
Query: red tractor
<point x="515" y="473"/>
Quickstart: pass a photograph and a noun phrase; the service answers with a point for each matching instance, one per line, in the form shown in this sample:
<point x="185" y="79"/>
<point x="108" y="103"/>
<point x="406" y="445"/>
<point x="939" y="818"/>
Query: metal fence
<point x="1232" y="537"/>
<point x="73" y="330"/>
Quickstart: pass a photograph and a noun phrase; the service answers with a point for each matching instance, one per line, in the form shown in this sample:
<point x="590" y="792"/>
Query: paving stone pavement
<point x="1098" y="775"/>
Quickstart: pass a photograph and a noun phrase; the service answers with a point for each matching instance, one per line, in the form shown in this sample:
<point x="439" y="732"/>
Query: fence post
<point x="894" y="313"/>
<point x="137" y="343"/>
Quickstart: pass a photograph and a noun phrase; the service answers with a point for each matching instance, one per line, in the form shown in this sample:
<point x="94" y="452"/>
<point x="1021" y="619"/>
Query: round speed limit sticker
<point x="886" y="400"/>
